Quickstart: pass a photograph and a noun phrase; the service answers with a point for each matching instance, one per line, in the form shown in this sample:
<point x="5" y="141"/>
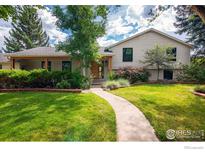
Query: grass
<point x="42" y="116"/>
<point x="168" y="107"/>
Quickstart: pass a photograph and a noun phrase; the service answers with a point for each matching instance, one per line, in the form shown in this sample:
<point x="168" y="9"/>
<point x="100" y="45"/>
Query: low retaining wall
<point x="41" y="89"/>
<point x="199" y="94"/>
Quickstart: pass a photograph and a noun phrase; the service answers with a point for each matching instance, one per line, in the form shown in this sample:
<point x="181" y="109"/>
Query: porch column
<point x="12" y="61"/>
<point x="109" y="64"/>
<point x="46" y="63"/>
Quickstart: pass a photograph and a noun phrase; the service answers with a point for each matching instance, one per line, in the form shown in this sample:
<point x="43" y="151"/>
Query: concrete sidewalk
<point x="131" y="123"/>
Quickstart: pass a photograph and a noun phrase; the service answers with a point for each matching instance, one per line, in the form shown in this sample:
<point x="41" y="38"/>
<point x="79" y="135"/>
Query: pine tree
<point x="191" y="24"/>
<point x="27" y="31"/>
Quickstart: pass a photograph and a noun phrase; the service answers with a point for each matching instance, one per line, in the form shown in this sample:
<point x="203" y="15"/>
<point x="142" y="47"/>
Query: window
<point x="168" y="74"/>
<point x="127" y="54"/>
<point x="49" y="65"/>
<point x="66" y="66"/>
<point x="173" y="52"/>
<point x="43" y="65"/>
<point x="0" y="66"/>
<point x="107" y="50"/>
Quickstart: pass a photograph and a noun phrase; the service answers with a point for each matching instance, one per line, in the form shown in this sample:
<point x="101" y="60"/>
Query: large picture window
<point x="127" y="55"/>
<point x="66" y="66"/>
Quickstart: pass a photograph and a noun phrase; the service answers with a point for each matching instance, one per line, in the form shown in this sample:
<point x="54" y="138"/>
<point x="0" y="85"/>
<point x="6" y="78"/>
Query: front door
<point x="95" y="70"/>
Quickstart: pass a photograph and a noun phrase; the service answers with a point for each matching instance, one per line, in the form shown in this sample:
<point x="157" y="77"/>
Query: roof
<point x="38" y="52"/>
<point x="151" y="30"/>
<point x="3" y="59"/>
<point x="47" y="52"/>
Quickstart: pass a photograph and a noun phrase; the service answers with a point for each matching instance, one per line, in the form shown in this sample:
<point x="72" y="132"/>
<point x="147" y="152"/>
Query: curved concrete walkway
<point x="131" y="123"/>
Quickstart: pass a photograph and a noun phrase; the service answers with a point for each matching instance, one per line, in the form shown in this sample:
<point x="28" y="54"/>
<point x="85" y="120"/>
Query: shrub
<point x="200" y="89"/>
<point x="123" y="82"/>
<point x="13" y="78"/>
<point x="114" y="84"/>
<point x="41" y="78"/>
<point x="63" y="84"/>
<point x="134" y="75"/>
<point x="111" y="75"/>
<point x="192" y="73"/>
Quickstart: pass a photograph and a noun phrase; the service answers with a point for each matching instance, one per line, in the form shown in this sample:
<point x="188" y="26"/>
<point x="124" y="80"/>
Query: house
<point x="128" y="52"/>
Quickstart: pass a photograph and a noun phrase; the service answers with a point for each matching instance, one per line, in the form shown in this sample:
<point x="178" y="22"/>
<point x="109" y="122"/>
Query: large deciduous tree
<point x="84" y="24"/>
<point x="158" y="57"/>
<point x="27" y="31"/>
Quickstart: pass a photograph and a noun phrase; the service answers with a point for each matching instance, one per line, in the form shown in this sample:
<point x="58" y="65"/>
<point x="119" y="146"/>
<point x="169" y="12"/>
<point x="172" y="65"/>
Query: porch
<point x="100" y="71"/>
<point x="49" y="63"/>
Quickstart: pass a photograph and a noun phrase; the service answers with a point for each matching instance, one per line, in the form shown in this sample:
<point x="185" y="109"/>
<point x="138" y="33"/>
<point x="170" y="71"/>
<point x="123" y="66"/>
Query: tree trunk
<point x="157" y="73"/>
<point x="83" y="67"/>
<point x="199" y="10"/>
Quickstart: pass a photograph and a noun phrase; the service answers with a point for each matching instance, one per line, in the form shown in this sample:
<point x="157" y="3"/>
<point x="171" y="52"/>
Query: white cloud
<point x="103" y="41"/>
<point x="4" y="31"/>
<point x="118" y="27"/>
<point x="48" y="21"/>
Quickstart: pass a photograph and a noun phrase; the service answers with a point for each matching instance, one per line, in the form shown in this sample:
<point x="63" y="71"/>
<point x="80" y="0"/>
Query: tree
<point x="6" y="11"/>
<point x="159" y="57"/>
<point x="192" y="25"/>
<point x="27" y="31"/>
<point x="85" y="24"/>
<point x="9" y="11"/>
<point x="197" y="9"/>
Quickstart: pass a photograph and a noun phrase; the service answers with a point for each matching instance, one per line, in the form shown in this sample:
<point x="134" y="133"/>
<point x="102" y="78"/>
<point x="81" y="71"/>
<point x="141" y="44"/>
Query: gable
<point x="154" y="32"/>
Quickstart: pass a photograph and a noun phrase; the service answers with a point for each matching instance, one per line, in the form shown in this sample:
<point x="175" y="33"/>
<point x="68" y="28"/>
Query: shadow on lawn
<point x="25" y="106"/>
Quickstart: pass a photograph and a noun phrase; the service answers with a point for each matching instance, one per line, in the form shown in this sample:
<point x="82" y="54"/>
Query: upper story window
<point x="66" y="66"/>
<point x="173" y="52"/>
<point x="127" y="55"/>
<point x="107" y="50"/>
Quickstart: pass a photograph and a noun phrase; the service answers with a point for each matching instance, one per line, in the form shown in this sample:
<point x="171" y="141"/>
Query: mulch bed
<point x="199" y="94"/>
<point x="41" y="89"/>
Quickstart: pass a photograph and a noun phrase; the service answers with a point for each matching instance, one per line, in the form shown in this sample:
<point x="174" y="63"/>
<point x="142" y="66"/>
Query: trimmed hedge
<point x="41" y="78"/>
<point x="133" y="75"/>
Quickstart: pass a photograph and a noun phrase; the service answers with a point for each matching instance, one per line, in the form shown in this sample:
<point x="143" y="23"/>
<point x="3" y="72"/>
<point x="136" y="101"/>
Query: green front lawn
<point x="41" y="116"/>
<point x="168" y="107"/>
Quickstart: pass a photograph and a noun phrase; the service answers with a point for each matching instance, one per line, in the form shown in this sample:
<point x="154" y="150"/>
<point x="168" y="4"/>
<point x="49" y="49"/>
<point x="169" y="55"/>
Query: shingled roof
<point x="38" y="52"/>
<point x="46" y="52"/>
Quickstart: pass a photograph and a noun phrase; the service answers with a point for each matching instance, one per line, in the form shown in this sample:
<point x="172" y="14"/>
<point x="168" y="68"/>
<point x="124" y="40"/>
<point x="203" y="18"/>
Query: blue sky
<point x="123" y="22"/>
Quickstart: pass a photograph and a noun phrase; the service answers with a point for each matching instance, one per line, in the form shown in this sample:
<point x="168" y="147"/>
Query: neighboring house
<point x="128" y="52"/>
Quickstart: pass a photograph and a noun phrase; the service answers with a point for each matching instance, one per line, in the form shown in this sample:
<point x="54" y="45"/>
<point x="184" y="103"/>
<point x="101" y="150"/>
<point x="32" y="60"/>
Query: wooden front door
<point x="95" y="71"/>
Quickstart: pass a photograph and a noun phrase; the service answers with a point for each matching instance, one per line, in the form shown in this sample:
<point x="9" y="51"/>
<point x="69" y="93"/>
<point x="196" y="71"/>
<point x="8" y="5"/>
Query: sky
<point x="123" y="22"/>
